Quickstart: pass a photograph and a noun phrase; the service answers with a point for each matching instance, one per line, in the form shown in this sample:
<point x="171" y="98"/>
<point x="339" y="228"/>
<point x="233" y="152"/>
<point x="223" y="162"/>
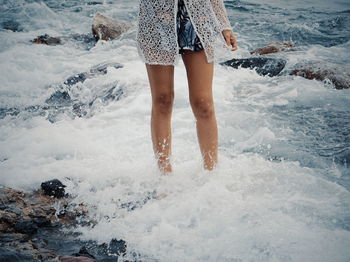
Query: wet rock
<point x="86" y="41"/>
<point x="40" y="220"/>
<point x="82" y="256"/>
<point x="27" y="212"/>
<point x="262" y="65"/>
<point x="80" y="109"/>
<point x="86" y="38"/>
<point x="338" y="75"/>
<point x="106" y="28"/>
<point x="24" y="251"/>
<point x="24" y="214"/>
<point x="53" y="188"/>
<point x="117" y="247"/>
<point x="30" y="229"/>
<point x="113" y="93"/>
<point x="12" y="237"/>
<point x="14" y="255"/>
<point x="8" y="111"/>
<point x="7" y="221"/>
<point x="47" y="40"/>
<point x="83" y="252"/>
<point x="61" y="101"/>
<point x="274" y="47"/>
<point x="94" y="3"/>
<point x="72" y="80"/>
<point x="45" y="254"/>
<point x="100" y="69"/>
<point x="12" y="210"/>
<point x="26" y="227"/>
<point x="132" y="205"/>
<point x="9" y="195"/>
<point x="59" y="98"/>
<point x="75" y="259"/>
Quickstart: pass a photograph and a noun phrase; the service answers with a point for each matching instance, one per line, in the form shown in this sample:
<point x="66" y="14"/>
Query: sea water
<point x="281" y="189"/>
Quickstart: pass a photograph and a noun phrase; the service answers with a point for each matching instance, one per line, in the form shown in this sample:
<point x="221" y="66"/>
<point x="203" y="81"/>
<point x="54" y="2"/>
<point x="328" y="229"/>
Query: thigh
<point x="199" y="74"/>
<point x="161" y="79"/>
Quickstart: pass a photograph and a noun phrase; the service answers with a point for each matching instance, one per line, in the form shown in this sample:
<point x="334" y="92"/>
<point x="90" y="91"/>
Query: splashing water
<point x="281" y="189"/>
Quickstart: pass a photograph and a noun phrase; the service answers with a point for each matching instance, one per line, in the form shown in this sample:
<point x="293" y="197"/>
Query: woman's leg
<point x="161" y="80"/>
<point x="200" y="76"/>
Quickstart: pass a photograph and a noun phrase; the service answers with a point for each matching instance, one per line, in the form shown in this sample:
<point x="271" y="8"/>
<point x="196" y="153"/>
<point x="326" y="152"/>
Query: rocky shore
<point x="106" y="28"/>
<point x="34" y="227"/>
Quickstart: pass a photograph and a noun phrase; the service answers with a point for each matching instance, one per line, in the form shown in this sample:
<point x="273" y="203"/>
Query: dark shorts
<point x="186" y="35"/>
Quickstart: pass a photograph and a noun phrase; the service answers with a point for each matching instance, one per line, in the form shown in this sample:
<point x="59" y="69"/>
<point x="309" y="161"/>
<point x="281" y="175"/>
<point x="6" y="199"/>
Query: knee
<point x="203" y="108"/>
<point x="163" y="103"/>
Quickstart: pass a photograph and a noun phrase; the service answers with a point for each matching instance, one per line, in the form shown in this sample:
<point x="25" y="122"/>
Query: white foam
<point x="248" y="209"/>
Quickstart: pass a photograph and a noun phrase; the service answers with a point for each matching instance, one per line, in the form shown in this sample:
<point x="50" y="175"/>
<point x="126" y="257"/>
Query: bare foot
<point x="165" y="167"/>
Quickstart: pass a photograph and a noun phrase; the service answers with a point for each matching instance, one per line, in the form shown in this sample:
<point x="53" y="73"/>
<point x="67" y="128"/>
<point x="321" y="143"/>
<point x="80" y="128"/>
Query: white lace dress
<point x="156" y="34"/>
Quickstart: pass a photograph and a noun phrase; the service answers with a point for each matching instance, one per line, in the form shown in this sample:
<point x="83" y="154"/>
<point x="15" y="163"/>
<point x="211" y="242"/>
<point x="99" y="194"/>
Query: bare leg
<point x="200" y="75"/>
<point x="161" y="80"/>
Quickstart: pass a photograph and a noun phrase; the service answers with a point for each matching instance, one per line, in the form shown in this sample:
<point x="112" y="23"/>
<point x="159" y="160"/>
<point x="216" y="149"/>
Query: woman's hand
<point x="230" y="39"/>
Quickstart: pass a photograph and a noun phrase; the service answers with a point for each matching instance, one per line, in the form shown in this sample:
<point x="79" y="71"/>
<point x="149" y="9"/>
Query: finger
<point x="234" y="44"/>
<point x="228" y="41"/>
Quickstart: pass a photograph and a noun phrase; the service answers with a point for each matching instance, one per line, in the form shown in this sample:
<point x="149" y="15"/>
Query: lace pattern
<point x="157" y="29"/>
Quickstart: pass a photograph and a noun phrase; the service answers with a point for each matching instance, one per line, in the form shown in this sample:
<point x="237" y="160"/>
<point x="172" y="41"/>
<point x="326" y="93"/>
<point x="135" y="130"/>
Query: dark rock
<point x="75" y="259"/>
<point x="132" y="205"/>
<point x="23" y="217"/>
<point x="106" y="28"/>
<point x="8" y="216"/>
<point x="274" y="47"/>
<point x="117" y="247"/>
<point x="72" y="80"/>
<point x="13" y="255"/>
<point x="10" y="195"/>
<point x="24" y="251"/>
<point x="44" y="254"/>
<point x="14" y="210"/>
<point x="34" y="229"/>
<point x="40" y="220"/>
<point x="86" y="38"/>
<point x="262" y="65"/>
<point x="32" y="109"/>
<point x="338" y="75"/>
<point x="12" y="237"/>
<point x="87" y="41"/>
<point x="7" y="221"/>
<point x="26" y="227"/>
<point x="94" y="3"/>
<point x="79" y="109"/>
<point x="8" y="111"/>
<point x="102" y="68"/>
<point x="84" y="253"/>
<point x="60" y="98"/>
<point x="113" y="94"/>
<point x="53" y="188"/>
<point x="47" y="40"/>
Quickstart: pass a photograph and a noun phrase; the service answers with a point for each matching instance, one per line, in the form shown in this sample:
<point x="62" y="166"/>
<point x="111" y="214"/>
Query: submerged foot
<point x="165" y="169"/>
